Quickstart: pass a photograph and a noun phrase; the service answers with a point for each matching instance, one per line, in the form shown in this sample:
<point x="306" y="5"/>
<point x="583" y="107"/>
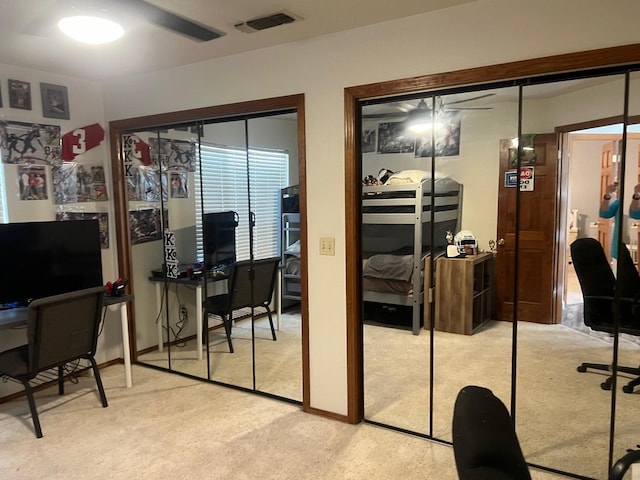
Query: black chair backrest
<point x="596" y="280"/>
<point x="598" y="284"/>
<point x="628" y="276"/>
<point x="592" y="267"/>
<point x="64" y="327"/>
<point x="245" y="291"/>
<point x="485" y="445"/>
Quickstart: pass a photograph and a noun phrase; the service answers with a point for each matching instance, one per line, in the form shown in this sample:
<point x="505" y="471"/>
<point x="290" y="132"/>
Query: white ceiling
<point x="146" y="47"/>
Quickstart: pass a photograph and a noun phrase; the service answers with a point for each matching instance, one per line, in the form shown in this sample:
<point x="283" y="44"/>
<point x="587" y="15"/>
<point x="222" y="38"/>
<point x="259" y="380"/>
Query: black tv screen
<point x="219" y="238"/>
<point x="48" y="258"/>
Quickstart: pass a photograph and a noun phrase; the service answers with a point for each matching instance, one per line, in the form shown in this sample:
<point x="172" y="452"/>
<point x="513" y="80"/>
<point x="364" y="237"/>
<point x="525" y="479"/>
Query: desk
<point x="122" y="301"/>
<point x="17" y="317"/>
<point x="198" y="285"/>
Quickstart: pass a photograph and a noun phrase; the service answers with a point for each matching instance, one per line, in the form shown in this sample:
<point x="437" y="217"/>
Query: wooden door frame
<point x="211" y="113"/>
<point x="586" y="60"/>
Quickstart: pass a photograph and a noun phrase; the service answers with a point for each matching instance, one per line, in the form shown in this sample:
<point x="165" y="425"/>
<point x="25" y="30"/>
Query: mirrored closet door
<point x="534" y="160"/>
<point x="205" y="203"/>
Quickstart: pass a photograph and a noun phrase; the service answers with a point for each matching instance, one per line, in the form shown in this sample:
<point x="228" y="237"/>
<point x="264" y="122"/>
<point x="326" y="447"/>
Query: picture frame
<point x="19" y="94"/>
<point x="55" y="101"/>
<point x="392" y="138"/>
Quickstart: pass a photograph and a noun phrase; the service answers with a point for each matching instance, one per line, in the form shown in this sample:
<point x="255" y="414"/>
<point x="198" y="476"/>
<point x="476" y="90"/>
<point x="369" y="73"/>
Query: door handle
<point x="501" y="242"/>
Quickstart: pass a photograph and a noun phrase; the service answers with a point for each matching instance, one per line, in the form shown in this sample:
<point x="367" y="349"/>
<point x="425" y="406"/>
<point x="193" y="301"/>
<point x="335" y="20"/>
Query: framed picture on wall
<point x="392" y="138"/>
<point x="55" y="101"/>
<point x="19" y="94"/>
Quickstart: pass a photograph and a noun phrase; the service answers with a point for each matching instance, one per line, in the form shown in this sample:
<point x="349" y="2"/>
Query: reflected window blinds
<point x="224" y="174"/>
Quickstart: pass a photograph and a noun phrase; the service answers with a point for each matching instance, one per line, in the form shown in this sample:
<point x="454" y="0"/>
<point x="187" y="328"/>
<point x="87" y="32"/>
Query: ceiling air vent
<point x="263" y="23"/>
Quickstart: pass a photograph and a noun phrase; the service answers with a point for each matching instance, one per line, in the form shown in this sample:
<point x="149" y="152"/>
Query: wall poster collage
<point x="36" y="149"/>
<point x="156" y="169"/>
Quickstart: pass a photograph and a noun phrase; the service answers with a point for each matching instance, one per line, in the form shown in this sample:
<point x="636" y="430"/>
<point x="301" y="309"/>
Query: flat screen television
<point x="219" y="231"/>
<point x="48" y="258"/>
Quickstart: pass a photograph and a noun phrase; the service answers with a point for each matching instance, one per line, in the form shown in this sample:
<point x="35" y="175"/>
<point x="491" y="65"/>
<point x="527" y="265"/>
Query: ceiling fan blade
<point x="470" y="99"/>
<point x="169" y="20"/>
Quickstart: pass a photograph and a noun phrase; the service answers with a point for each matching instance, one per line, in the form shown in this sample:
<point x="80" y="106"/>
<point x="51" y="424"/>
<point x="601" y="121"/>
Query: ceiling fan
<point x="124" y="12"/>
<point x="423" y="109"/>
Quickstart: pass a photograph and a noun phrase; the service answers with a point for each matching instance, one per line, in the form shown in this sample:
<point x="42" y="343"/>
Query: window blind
<point x="223" y="171"/>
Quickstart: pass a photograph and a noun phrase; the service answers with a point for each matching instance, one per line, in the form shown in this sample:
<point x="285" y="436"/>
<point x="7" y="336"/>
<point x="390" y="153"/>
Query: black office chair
<point x="598" y="284"/>
<point x="485" y="445"/>
<point x="245" y="290"/>
<point x="60" y="329"/>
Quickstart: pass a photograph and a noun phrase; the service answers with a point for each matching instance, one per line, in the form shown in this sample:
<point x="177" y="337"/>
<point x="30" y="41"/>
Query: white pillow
<point x="294" y="249"/>
<point x="411" y="176"/>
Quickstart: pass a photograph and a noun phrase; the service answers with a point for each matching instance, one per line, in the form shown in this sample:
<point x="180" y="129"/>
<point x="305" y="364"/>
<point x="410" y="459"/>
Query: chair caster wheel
<point x="581" y="368"/>
<point x="606" y="385"/>
<point x="627" y="389"/>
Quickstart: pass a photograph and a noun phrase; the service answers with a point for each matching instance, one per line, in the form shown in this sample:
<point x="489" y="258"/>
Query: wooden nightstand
<point x="465" y="289"/>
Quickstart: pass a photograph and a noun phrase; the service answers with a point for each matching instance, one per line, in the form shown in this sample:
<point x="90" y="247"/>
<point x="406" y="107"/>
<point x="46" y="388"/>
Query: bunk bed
<point x="396" y="236"/>
<point x="290" y="244"/>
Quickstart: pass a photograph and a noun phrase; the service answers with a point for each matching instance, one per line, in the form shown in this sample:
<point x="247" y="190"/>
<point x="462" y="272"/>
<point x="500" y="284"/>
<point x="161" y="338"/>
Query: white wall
<point x="86" y="107"/>
<point x="482" y="33"/>
<point x="485" y="32"/>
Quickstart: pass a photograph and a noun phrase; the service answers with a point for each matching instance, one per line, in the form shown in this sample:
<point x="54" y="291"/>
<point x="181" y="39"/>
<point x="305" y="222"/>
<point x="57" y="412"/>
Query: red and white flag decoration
<point x="81" y="140"/>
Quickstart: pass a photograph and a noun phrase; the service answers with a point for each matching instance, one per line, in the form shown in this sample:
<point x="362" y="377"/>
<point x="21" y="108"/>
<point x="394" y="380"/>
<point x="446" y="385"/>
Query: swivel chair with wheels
<point x="60" y="329"/>
<point x="598" y="284"/>
<point x="485" y="445"/>
<point x="251" y="285"/>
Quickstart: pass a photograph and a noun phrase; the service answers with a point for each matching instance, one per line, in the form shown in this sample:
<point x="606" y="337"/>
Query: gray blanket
<point x="394" y="267"/>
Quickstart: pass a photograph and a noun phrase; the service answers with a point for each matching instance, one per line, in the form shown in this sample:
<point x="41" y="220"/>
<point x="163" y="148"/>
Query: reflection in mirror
<point x="224" y="211"/>
<point x="471" y="345"/>
<point x="397" y="139"/>
<point x="558" y="405"/>
<point x="626" y="418"/>
<point x="173" y="316"/>
<point x="273" y="185"/>
<point x="396" y="363"/>
<point x="194" y="181"/>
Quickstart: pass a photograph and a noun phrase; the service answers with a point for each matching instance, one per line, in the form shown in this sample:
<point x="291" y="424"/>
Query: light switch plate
<point x="327" y="246"/>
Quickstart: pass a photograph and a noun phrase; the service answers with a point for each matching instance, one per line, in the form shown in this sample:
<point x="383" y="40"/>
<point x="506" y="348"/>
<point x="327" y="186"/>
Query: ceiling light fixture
<point x="420" y="119"/>
<point x="91" y="30"/>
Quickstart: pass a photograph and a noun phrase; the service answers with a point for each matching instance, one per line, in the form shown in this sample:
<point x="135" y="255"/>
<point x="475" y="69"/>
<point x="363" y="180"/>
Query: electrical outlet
<point x="327" y="246"/>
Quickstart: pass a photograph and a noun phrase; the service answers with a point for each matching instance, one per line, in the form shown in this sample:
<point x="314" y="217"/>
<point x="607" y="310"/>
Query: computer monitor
<point x="48" y="258"/>
<point x="219" y="231"/>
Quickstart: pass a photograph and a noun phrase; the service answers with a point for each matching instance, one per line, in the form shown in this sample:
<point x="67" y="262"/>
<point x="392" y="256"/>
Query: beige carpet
<point x="278" y="364"/>
<point x="170" y="427"/>
<point x="557" y="407"/>
<point x="562" y="416"/>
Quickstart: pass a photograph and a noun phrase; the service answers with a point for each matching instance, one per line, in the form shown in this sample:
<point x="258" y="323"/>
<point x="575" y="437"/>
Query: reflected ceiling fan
<point x="125" y="12"/>
<point x="423" y="109"/>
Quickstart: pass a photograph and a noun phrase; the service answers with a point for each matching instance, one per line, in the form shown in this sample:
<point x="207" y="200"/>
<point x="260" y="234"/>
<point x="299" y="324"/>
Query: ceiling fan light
<point x="420" y="127"/>
<point x="91" y="30"/>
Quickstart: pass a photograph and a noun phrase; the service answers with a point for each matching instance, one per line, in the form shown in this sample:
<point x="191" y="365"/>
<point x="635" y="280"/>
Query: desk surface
<point x="188" y="281"/>
<point x="13" y="317"/>
<point x="17" y="317"/>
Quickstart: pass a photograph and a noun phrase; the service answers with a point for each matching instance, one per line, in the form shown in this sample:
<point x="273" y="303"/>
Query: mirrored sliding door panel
<point x="275" y="207"/>
<point x="473" y="322"/>
<point x="560" y="400"/>
<point x="226" y="232"/>
<point x="627" y="384"/>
